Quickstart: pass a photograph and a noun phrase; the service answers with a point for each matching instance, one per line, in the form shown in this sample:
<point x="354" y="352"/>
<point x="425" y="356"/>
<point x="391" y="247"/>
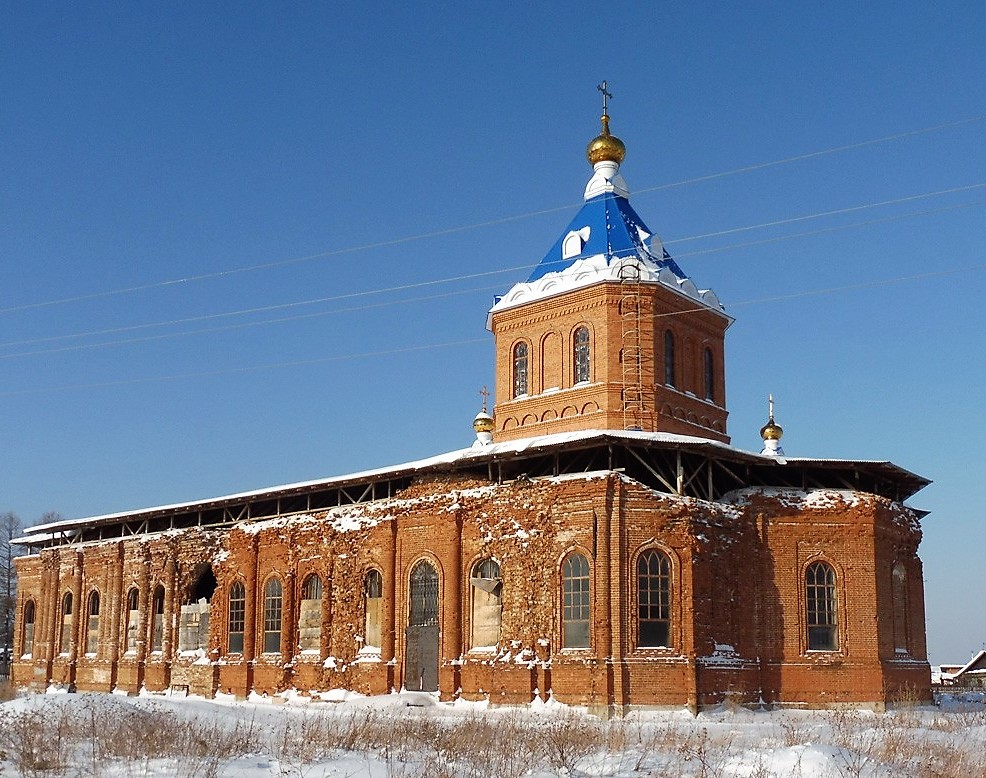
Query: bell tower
<point x="608" y="332"/>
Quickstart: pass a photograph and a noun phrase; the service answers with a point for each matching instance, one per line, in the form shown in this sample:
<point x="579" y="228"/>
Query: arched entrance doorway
<point x="421" y="663"/>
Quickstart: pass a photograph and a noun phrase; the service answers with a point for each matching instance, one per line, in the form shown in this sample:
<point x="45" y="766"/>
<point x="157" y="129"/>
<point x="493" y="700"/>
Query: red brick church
<point x="600" y="542"/>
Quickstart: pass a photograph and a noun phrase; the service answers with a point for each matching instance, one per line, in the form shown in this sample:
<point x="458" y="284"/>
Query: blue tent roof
<point x="614" y="231"/>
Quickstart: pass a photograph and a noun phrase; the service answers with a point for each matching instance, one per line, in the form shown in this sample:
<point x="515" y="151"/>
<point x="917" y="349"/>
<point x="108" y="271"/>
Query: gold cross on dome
<point x="484" y="392"/>
<point x="602" y="88"/>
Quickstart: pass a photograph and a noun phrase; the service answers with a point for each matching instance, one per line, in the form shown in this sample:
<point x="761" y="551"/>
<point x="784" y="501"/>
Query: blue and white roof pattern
<point x="606" y="236"/>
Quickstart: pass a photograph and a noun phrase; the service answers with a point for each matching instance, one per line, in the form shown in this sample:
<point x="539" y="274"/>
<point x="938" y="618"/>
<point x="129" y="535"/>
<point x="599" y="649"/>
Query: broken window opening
<point x="487" y="609"/>
<point x="310" y="614"/>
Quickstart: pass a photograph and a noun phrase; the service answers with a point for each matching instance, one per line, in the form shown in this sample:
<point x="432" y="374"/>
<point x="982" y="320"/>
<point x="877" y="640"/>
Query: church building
<point x="600" y="542"/>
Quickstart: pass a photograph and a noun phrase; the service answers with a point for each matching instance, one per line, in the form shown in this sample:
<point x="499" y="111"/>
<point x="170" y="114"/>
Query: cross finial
<point x="606" y="94"/>
<point x="485" y="393"/>
<point x="770" y="403"/>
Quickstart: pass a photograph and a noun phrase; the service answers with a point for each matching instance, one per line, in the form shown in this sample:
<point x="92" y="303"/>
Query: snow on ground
<point x="412" y="734"/>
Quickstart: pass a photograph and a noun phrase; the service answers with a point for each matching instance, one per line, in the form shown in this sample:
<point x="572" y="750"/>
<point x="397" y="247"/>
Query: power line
<point x="465" y="277"/>
<point x="246" y="369"/>
<point x="473" y="341"/>
<point x="479" y="225"/>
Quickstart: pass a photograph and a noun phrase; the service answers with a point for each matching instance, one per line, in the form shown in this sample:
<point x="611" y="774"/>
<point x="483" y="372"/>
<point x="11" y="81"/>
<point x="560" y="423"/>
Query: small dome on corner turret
<point x="771" y="433"/>
<point x="482" y="425"/>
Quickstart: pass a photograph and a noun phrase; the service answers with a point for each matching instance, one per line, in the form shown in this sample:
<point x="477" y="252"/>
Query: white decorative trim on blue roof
<point x="605" y="236"/>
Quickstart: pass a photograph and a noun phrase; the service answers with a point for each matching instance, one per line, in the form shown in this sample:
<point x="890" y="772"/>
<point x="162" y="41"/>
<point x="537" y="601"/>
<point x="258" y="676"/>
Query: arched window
<point x="27" y="642"/>
<point x="310" y="614"/>
<point x="669" y="378"/>
<point x="575" y="602"/>
<point x="710" y="376"/>
<point x="133" y="618"/>
<point x="237" y="617"/>
<point x="92" y="624"/>
<point x="157" y="620"/>
<point x="273" y="598"/>
<point x="821" y="607"/>
<point x="65" y="638"/>
<point x="653" y="600"/>
<point x="372" y="608"/>
<point x="424" y="595"/>
<point x="899" y="593"/>
<point x="581" y="354"/>
<point x="520" y="370"/>
<point x="486" y="603"/>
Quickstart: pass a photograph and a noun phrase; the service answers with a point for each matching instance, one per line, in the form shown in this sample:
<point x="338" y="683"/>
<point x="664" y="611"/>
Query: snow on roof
<point x="968" y="667"/>
<point x="605" y="236"/>
<point x="462" y="456"/>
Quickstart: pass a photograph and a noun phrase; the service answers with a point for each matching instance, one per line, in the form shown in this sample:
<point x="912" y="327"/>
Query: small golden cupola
<point x="771" y="433"/>
<point x="482" y="425"/>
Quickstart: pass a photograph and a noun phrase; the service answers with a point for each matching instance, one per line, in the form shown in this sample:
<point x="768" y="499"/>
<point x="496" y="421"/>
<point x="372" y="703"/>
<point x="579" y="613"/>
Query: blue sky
<point x="176" y="177"/>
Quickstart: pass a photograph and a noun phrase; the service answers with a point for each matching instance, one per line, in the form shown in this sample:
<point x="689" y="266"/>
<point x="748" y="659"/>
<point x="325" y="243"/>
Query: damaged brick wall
<point x="737" y="623"/>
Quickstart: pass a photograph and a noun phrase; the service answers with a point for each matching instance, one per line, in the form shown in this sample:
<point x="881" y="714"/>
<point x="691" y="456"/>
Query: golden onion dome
<point x="771" y="431"/>
<point x="482" y="423"/>
<point x="606" y="147"/>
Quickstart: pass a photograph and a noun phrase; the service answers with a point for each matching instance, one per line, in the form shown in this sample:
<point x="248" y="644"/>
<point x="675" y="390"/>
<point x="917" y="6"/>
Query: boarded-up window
<point x="65" y="638"/>
<point x="157" y="623"/>
<point x="899" y="592"/>
<point x="193" y="626"/>
<point x="237" y="616"/>
<point x="273" y="594"/>
<point x="27" y="644"/>
<point x="310" y="614"/>
<point x="486" y="604"/>
<point x="576" y="602"/>
<point x="133" y="619"/>
<point x="92" y="624"/>
<point x="373" y="601"/>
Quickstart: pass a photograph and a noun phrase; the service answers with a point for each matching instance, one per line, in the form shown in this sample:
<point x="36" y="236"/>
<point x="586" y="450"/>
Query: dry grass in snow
<point x="400" y="736"/>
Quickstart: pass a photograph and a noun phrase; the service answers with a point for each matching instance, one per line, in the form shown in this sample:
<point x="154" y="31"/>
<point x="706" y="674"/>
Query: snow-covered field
<point x="413" y="735"/>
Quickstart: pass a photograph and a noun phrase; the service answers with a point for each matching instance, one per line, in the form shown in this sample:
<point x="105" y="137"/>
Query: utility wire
<point x="473" y="341"/>
<point x="470" y="276"/>
<point x="246" y="369"/>
<point x="478" y="225"/>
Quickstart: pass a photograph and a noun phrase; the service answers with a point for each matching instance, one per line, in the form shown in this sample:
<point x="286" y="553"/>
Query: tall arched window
<point x="821" y="607"/>
<point x="653" y="600"/>
<point x="65" y="638"/>
<point x="273" y="598"/>
<point x="486" y="603"/>
<point x="899" y="593"/>
<point x="27" y="641"/>
<point x="373" y="608"/>
<point x="157" y="620"/>
<point x="581" y="354"/>
<point x="310" y="614"/>
<point x="576" y="602"/>
<point x="236" y="619"/>
<point x="424" y="595"/>
<point x="710" y="376"/>
<point x="92" y="625"/>
<point x="133" y="618"/>
<point x="520" y="370"/>
<point x="669" y="377"/>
